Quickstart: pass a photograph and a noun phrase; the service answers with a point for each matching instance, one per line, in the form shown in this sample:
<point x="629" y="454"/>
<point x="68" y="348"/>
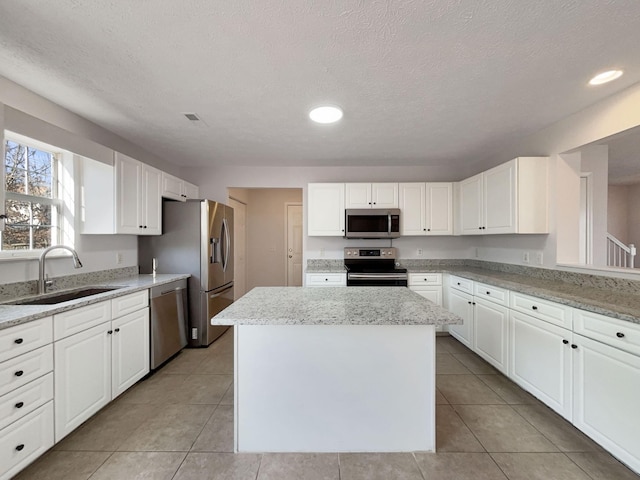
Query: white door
<point x="152" y="201"/>
<point x="471" y="196"/>
<point x="294" y="246"/>
<point x="384" y="195"/>
<point x="500" y="199"/>
<point x="439" y="208"/>
<point x="239" y="248"/>
<point x="325" y="209"/>
<point x="412" y="204"/>
<point x="586" y="216"/>
<point x="358" y="195"/>
<point x="491" y="333"/>
<point x="82" y="377"/>
<point x="130" y="350"/>
<point x="128" y="195"/>
<point x="461" y="304"/>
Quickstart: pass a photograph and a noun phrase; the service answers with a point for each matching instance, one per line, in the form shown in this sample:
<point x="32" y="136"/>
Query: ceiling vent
<point x="192" y="117"/>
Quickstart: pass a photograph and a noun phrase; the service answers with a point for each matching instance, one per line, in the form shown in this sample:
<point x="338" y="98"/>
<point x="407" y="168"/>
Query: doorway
<point x="586" y="219"/>
<point x="239" y="247"/>
<point x="294" y="245"/>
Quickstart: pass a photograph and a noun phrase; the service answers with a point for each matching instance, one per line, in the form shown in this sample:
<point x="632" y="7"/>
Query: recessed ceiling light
<point x="605" y="77"/>
<point x="326" y="114"/>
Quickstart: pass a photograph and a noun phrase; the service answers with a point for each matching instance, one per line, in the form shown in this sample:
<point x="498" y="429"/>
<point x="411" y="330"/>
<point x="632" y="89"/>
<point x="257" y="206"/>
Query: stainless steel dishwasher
<point x="168" y="321"/>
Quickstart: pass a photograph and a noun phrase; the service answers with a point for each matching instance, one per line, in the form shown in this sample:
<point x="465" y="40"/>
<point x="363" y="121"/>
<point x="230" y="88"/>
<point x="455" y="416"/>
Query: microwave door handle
<point x="389" y="224"/>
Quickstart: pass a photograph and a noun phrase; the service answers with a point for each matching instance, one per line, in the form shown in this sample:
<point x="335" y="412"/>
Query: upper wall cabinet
<point x="123" y="198"/>
<point x="178" y="189"/>
<point x="427" y="208"/>
<point x="325" y="209"/>
<point x="371" y="195"/>
<point x="509" y="198"/>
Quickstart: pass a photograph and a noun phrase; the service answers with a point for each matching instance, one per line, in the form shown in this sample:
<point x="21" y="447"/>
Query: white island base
<point x="334" y="388"/>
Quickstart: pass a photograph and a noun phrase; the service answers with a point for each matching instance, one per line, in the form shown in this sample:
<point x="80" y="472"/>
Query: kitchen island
<point x="334" y="369"/>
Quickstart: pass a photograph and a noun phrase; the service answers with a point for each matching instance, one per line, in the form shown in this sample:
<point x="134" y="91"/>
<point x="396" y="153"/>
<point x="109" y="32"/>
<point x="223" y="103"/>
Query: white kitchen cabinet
<point x="371" y="195"/>
<point x="606" y="395"/>
<point x="491" y="333"/>
<point x="178" y="189"/>
<point x="325" y="209"/>
<point x="461" y="304"/>
<point x="509" y="198"/>
<point x="124" y="198"/>
<point x="427" y="208"/>
<point x="326" y="280"/>
<point x="129" y="350"/>
<point x="429" y="286"/>
<point x="541" y="361"/>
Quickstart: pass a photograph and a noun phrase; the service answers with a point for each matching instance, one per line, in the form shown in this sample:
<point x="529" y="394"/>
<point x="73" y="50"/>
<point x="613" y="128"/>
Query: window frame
<point x="56" y="201"/>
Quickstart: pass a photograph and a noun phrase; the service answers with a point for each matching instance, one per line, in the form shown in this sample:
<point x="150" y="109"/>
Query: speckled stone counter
<point x="334" y="306"/>
<point x="11" y="315"/>
<point x="325" y="266"/>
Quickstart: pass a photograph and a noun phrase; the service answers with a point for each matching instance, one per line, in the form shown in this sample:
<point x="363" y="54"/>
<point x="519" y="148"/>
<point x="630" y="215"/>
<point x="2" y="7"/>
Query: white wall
<point x="594" y="159"/>
<point x="618" y="212"/>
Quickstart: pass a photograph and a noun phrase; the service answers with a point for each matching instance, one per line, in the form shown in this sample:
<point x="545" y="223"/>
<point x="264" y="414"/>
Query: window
<point x="32" y="204"/>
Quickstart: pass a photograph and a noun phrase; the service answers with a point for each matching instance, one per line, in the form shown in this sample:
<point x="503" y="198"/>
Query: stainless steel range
<point x="373" y="267"/>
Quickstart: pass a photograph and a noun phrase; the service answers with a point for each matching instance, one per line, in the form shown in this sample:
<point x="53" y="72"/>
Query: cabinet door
<point x="130" y="350"/>
<point x="500" y="194"/>
<point x="128" y="195"/>
<point x="412" y="205"/>
<point x="82" y="377"/>
<point x="606" y="393"/>
<point x="461" y="304"/>
<point x="172" y="187"/>
<point x="491" y="333"/>
<point x="191" y="191"/>
<point x="325" y="209"/>
<point x="471" y="205"/>
<point x="541" y="361"/>
<point x="433" y="294"/>
<point x="439" y="208"/>
<point x="358" y="195"/>
<point x="384" y="195"/>
<point x="152" y="201"/>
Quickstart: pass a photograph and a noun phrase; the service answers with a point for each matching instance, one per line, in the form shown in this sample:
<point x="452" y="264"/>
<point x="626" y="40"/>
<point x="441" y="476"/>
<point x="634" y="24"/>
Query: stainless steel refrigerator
<point x="197" y="238"/>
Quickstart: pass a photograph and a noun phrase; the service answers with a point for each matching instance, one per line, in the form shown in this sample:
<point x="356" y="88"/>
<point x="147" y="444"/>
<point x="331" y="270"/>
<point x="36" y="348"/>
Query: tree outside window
<point x="31" y="203"/>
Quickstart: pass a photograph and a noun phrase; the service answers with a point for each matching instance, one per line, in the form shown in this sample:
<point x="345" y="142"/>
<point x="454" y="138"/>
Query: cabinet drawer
<point x="612" y="331"/>
<point x="79" y="319"/>
<point x="494" y="294"/>
<point x="551" y="312"/>
<point x="326" y="279"/>
<point x="24" y="400"/>
<point x="25" y="440"/>
<point x="21" y="370"/>
<point x="23" y="338"/>
<point x="461" y="284"/>
<point x="129" y="303"/>
<point x="418" y="279"/>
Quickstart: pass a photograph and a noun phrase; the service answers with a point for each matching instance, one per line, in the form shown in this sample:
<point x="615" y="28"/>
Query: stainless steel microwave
<point x="372" y="223"/>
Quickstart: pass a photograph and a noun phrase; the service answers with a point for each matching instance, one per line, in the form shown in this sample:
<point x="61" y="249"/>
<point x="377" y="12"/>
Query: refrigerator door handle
<point x="227" y="244"/>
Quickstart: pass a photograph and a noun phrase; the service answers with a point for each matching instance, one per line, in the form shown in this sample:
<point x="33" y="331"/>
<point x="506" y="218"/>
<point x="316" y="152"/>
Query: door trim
<point x="286" y="237"/>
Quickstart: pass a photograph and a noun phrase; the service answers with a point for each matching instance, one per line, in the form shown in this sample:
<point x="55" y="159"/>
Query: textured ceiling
<point x="421" y="82"/>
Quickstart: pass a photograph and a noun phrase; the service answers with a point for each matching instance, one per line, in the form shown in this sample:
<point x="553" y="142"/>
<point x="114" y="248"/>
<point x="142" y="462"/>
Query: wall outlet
<point x="420" y="252"/>
<point x="539" y="258"/>
<point x="194" y="334"/>
<point x="118" y="258"/>
<point x="525" y="257"/>
<point x="322" y="252"/>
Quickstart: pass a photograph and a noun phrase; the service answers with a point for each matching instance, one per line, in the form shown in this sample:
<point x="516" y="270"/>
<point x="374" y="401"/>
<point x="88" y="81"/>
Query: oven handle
<point x="385" y="276"/>
<point x="389" y="223"/>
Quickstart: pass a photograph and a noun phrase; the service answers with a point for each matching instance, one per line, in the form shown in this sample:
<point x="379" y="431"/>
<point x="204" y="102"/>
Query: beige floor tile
<point x="378" y="466"/>
<point x="459" y="466"/>
<point x="158" y="389"/>
<point x="476" y="364"/>
<point x="509" y="391"/>
<point x="466" y="389"/>
<point x="442" y="344"/>
<point x="299" y="466"/>
<point x="109" y="428"/>
<point x="186" y="362"/>
<point x="140" y="465"/>
<point x="173" y="429"/>
<point x="561" y="433"/>
<point x="202" y="389"/>
<point x="602" y="466"/>
<point x="499" y="428"/>
<point x="452" y="345"/>
<point x="539" y="466"/>
<point x="220" y="362"/>
<point x="219" y="466"/>
<point x="228" y="397"/>
<point x="217" y="434"/>
<point x="452" y="435"/>
<point x="64" y="466"/>
<point x="446" y="364"/>
<point x="440" y="400"/>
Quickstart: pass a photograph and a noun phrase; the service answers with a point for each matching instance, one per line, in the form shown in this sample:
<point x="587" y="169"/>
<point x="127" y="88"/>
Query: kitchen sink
<point x="52" y="299"/>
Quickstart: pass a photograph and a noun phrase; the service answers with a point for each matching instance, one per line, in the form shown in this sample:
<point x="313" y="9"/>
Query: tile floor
<point x="178" y="424"/>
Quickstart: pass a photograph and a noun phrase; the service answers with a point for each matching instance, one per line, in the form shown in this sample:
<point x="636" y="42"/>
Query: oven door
<point x="376" y="279"/>
<point x="374" y="223"/>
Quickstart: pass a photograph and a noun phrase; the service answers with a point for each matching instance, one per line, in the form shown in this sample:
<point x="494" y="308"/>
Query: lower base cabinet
<point x="461" y="304"/>
<point x="606" y="398"/>
<point x="541" y="361"/>
<point x="491" y="333"/>
<point x="129" y="350"/>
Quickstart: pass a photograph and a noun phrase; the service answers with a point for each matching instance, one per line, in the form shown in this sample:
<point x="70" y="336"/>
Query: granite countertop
<point x="328" y="268"/>
<point x="334" y="306"/>
<point x="11" y="315"/>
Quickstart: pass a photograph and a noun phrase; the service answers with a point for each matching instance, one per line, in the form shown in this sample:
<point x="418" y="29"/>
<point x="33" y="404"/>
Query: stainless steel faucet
<point x="42" y="286"/>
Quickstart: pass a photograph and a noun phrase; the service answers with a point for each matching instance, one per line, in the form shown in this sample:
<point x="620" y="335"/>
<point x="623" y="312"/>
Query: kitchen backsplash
<point x="21" y="289"/>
